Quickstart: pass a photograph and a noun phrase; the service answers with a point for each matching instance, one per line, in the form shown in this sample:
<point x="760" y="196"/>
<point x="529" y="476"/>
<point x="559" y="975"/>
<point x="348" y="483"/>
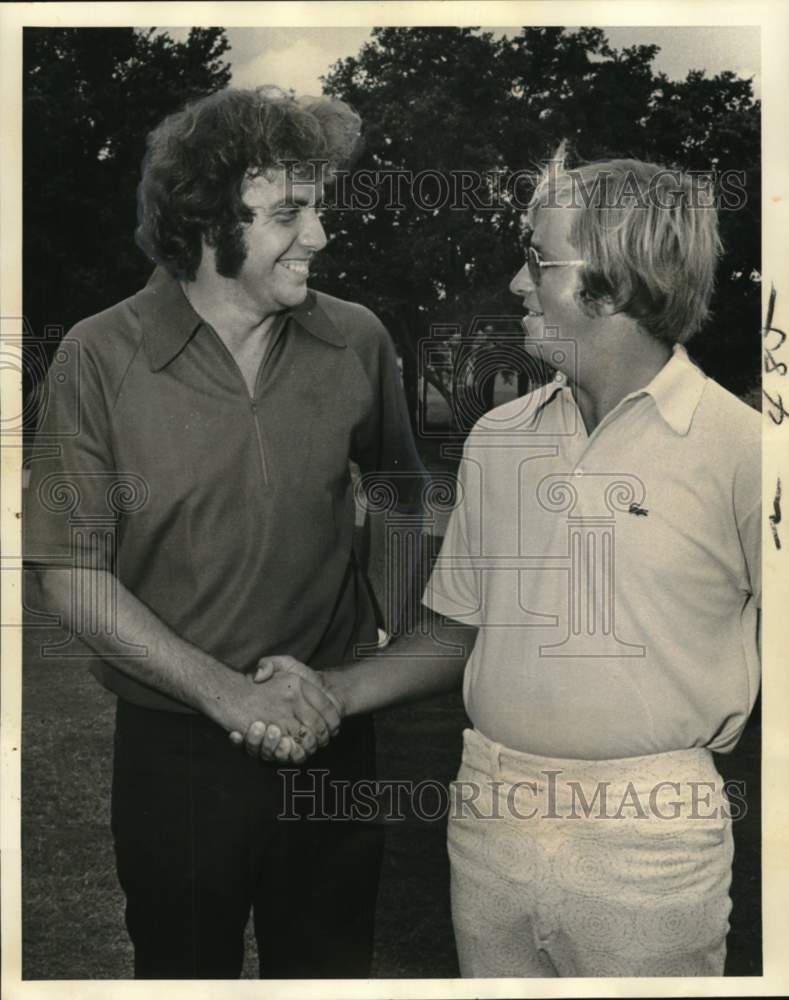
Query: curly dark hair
<point x="197" y="159"/>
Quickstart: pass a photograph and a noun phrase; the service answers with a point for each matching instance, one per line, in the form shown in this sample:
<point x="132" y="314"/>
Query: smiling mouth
<point x="300" y="267"/>
<point x="530" y="314"/>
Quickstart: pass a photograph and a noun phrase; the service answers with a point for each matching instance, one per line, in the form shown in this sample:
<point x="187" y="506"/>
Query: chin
<point x="534" y="327"/>
<point x="293" y="297"/>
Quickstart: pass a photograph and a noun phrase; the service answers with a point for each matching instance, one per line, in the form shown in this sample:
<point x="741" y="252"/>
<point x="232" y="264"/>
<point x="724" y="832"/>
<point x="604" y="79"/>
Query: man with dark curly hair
<point x="218" y="410"/>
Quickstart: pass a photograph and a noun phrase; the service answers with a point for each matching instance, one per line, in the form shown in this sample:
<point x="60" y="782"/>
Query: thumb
<point x="265" y="670"/>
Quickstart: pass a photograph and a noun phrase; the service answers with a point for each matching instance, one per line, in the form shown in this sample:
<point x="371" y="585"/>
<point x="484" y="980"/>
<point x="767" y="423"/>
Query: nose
<point x="313" y="235"/>
<point x="522" y="284"/>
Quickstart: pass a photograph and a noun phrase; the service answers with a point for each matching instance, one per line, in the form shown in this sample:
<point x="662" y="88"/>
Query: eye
<point x="287" y="216"/>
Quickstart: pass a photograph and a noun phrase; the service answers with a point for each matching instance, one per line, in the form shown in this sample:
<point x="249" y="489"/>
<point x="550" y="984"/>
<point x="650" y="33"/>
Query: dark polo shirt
<point x="231" y="517"/>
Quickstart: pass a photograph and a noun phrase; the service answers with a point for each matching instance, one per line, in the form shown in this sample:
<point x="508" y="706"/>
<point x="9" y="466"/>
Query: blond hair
<point x="649" y="236"/>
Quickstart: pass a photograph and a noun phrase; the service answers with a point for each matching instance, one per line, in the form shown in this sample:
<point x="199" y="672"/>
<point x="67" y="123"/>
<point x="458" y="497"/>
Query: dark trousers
<point x="198" y="845"/>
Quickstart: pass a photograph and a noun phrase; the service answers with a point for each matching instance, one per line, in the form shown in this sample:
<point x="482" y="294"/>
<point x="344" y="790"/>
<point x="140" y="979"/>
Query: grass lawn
<point x="73" y="909"/>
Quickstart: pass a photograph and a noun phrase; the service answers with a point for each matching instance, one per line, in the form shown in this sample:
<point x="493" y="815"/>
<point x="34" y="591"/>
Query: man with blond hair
<point x="601" y="577"/>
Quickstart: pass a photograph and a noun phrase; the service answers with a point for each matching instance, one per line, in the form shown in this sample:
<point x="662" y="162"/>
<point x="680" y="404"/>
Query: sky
<point x="297" y="57"/>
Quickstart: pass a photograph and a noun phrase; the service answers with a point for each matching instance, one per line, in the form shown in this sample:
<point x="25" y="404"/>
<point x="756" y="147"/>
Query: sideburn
<point x="230" y="248"/>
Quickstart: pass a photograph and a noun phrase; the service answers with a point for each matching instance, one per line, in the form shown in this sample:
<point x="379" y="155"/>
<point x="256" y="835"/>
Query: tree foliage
<point x="435" y="100"/>
<point x="90" y="96"/>
<point x="457" y="99"/>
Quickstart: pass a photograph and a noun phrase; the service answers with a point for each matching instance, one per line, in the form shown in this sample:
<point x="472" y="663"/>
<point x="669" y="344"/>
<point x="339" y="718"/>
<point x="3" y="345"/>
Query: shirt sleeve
<point x="71" y="510"/>
<point x="750" y="530"/>
<point x="454" y="585"/>
<point x="384" y="446"/>
<point x="747" y="497"/>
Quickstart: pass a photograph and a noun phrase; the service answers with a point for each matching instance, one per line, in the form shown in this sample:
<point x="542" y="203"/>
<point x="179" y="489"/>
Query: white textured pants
<point x="589" y="868"/>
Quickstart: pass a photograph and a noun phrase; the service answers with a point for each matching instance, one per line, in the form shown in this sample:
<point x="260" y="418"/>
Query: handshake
<point x="295" y="712"/>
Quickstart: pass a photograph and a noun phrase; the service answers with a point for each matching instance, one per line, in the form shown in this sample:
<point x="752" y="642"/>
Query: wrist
<point x="221" y="695"/>
<point x="340" y="691"/>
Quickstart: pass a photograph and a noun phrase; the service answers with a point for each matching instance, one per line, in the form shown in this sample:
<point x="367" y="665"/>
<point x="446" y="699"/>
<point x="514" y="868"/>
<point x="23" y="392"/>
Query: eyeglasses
<point x="536" y="264"/>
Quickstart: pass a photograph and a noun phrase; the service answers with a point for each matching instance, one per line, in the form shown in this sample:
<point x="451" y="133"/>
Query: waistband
<point x="691" y="767"/>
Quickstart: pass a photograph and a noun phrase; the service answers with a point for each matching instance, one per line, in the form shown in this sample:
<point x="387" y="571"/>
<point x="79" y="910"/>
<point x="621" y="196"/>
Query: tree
<point x="446" y="100"/>
<point x="90" y="97"/>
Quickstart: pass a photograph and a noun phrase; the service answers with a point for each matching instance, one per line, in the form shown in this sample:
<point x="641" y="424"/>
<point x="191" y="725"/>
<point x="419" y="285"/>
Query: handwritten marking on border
<point x="778" y="410"/>
<point x="775" y="517"/>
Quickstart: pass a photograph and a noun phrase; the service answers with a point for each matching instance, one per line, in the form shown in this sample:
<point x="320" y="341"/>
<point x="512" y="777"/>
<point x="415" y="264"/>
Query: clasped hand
<point x="299" y="714"/>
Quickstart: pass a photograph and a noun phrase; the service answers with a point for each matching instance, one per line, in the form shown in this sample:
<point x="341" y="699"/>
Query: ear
<point x="596" y="305"/>
<point x="605" y="306"/>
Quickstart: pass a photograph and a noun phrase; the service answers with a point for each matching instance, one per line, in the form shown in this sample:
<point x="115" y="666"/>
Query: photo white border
<point x="773" y="17"/>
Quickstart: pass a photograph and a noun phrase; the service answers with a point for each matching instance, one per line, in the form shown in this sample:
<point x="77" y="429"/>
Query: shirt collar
<point x="677" y="389"/>
<point x="313" y="318"/>
<point x="169" y="321"/>
<point x="555" y="389"/>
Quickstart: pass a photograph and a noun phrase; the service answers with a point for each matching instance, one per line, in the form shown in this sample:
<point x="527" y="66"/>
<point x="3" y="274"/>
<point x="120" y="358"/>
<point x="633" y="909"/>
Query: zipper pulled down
<point x="261" y="449"/>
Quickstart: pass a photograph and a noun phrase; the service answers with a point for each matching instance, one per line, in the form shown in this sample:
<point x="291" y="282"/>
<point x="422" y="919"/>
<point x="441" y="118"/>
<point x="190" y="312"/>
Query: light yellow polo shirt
<point x="615" y="578"/>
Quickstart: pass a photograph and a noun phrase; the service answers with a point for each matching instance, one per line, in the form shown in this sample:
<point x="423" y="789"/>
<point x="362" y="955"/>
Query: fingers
<point x="312" y="722"/>
<point x="307" y="739"/>
<point x="262" y="740"/>
<point x="267" y="666"/>
<point x="268" y="743"/>
<point x="320" y="702"/>
<point x="333" y="699"/>
<point x="294" y="666"/>
<point x="290" y="751"/>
